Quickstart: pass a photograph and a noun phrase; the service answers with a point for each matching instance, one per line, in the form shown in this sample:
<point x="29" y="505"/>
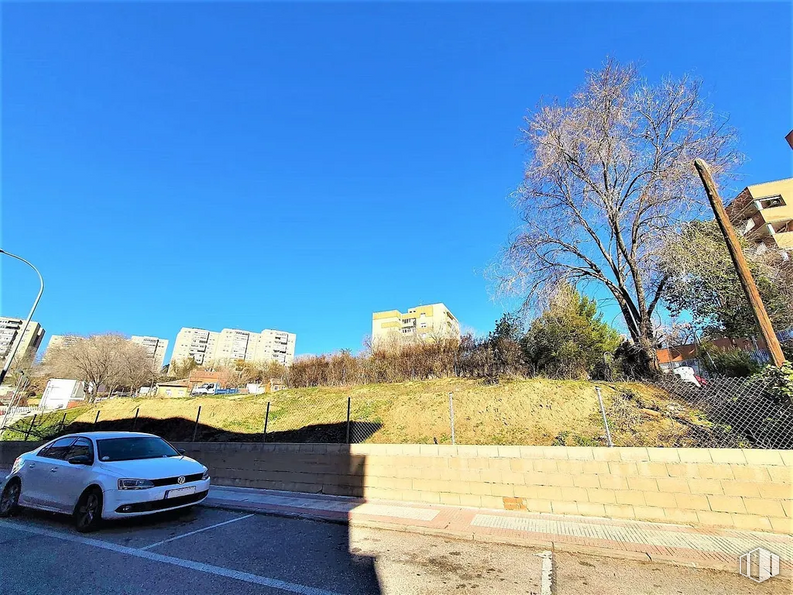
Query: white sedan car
<point x="104" y="475"/>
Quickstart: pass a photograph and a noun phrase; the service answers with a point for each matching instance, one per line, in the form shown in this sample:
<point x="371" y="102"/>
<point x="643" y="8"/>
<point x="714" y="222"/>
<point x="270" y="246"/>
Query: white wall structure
<point x="59" y="391"/>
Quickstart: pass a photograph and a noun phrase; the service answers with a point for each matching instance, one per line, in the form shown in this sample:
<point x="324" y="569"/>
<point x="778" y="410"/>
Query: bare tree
<point x="179" y="369"/>
<point x="109" y="361"/>
<point x="609" y="175"/>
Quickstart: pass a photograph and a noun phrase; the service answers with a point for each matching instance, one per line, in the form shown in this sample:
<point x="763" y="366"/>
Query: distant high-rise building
<point x="207" y="347"/>
<point x="422" y="323"/>
<point x="57" y="341"/>
<point x="155" y="347"/>
<point x="276" y="346"/>
<point x="10" y="333"/>
<point x="194" y="343"/>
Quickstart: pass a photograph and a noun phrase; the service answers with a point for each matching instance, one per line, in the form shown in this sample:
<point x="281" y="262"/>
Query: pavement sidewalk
<point x="679" y="544"/>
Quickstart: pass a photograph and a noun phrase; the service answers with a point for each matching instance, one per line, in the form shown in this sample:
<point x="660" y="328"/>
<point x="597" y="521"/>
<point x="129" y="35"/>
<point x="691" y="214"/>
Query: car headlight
<point x="18" y="463"/>
<point x="205" y="475"/>
<point x="135" y="484"/>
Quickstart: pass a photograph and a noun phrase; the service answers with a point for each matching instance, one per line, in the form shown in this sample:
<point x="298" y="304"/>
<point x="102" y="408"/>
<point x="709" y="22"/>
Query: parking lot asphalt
<point x="212" y="551"/>
<point x="215" y="551"/>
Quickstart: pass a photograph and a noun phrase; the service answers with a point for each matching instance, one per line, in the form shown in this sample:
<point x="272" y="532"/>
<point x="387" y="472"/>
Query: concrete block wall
<point x="10" y="450"/>
<point x="744" y="489"/>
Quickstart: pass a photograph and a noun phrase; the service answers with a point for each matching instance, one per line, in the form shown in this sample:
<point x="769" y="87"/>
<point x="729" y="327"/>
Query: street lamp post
<point x="18" y="342"/>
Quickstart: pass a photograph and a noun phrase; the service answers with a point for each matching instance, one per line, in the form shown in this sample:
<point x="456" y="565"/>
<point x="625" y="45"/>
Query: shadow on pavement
<point x="331" y="555"/>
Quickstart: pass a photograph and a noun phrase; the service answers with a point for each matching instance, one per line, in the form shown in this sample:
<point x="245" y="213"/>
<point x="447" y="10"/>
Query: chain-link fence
<point x="732" y="412"/>
<point x="715" y="413"/>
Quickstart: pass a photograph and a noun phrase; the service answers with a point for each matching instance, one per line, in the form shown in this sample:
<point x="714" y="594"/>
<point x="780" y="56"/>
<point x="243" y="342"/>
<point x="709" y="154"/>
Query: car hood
<point x="153" y="468"/>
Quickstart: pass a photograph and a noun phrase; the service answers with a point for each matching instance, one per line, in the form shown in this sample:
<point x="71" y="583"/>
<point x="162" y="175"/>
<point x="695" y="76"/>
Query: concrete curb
<point x="554" y="546"/>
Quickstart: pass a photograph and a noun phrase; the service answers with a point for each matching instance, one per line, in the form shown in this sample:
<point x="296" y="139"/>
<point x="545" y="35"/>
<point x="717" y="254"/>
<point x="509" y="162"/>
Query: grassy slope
<point x="536" y="411"/>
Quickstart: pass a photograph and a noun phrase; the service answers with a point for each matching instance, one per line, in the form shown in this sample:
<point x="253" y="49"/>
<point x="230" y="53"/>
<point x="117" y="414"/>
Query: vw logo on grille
<point x="181" y="479"/>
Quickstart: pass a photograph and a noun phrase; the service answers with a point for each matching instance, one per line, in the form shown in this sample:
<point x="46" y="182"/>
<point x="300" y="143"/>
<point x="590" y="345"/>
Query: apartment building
<point x="195" y="343"/>
<point x="11" y="332"/>
<point x="236" y="345"/>
<point x="207" y="347"/>
<point x="763" y="213"/>
<point x="155" y="347"/>
<point x="422" y="323"/>
<point x="276" y="346"/>
<point x="58" y="341"/>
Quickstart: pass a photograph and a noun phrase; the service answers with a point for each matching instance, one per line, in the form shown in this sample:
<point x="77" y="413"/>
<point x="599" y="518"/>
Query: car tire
<point x="88" y="512"/>
<point x="9" y="499"/>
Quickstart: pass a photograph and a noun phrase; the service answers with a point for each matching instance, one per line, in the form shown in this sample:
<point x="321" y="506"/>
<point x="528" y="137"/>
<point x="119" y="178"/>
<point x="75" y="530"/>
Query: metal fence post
<point x="195" y="429"/>
<point x="605" y="419"/>
<point x="348" y="419"/>
<point x="135" y="421"/>
<point x="451" y="415"/>
<point x="30" y="427"/>
<point x="96" y="419"/>
<point x="63" y="423"/>
<point x="266" y="419"/>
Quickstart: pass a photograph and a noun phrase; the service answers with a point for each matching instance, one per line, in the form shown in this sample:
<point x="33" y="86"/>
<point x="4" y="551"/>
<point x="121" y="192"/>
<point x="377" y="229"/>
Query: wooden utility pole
<point x="739" y="260"/>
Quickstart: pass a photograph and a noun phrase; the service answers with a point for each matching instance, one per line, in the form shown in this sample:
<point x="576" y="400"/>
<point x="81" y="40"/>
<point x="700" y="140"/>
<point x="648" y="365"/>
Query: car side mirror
<point x="80" y="460"/>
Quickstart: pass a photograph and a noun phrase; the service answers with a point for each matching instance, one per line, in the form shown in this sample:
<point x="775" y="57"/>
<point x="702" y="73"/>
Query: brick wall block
<point x="692" y="502"/>
<point x="632" y="453"/>
<point x="726" y="504"/>
<point x="751" y="490"/>
<point x="619" y="511"/>
<point x="727" y="455"/>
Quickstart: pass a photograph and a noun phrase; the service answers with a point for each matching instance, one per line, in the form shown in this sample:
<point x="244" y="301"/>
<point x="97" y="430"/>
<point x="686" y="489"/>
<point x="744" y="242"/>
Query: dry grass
<point x="537" y="411"/>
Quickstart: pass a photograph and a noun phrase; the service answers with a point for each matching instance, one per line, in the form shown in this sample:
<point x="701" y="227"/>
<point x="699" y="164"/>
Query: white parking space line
<point x="164" y="541"/>
<point x="546" y="575"/>
<point x="189" y="564"/>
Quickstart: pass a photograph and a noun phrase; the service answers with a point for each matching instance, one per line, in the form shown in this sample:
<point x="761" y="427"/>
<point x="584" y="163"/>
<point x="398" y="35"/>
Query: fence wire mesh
<point x="716" y="413"/>
<point x="732" y="412"/>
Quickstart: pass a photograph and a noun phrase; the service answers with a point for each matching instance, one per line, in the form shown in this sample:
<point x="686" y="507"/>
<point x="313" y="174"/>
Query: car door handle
<point x="53" y="470"/>
<point x="31" y="465"/>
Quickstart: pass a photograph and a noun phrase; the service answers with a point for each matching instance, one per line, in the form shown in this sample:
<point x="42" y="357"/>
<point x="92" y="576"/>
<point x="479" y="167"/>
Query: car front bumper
<point x="126" y="503"/>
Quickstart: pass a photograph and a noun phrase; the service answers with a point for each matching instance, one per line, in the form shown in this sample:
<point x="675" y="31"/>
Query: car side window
<point x="58" y="449"/>
<point x="81" y="447"/>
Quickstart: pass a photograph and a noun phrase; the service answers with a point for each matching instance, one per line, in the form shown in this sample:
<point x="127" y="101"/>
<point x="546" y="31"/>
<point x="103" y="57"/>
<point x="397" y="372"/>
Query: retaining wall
<point x="11" y="450"/>
<point x="745" y="489"/>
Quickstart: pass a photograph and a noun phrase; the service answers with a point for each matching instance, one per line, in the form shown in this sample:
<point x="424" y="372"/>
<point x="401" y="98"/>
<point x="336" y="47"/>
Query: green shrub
<point x="781" y="382"/>
<point x="731" y="362"/>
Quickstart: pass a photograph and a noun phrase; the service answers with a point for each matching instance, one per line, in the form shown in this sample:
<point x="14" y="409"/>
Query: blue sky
<point x="298" y="166"/>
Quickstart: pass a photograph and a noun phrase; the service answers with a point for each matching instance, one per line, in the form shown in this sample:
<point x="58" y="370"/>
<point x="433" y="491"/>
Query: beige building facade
<point x="11" y="333"/>
<point x="155" y="347"/>
<point x="276" y="346"/>
<point x="57" y="341"/>
<point x="763" y="213"/>
<point x="422" y="323"/>
<point x="195" y="343"/>
<point x="210" y="347"/>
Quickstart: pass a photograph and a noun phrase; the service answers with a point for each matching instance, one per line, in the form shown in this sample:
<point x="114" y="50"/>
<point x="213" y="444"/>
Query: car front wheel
<point x="88" y="512"/>
<point x="9" y="499"/>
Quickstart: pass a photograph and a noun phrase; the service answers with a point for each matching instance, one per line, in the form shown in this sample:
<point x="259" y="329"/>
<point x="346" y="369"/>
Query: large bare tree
<point x="104" y="361"/>
<point x="609" y="175"/>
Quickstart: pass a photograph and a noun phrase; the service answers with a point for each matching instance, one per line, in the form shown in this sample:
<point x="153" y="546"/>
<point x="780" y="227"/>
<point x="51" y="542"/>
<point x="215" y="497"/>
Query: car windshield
<point x="138" y="447"/>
